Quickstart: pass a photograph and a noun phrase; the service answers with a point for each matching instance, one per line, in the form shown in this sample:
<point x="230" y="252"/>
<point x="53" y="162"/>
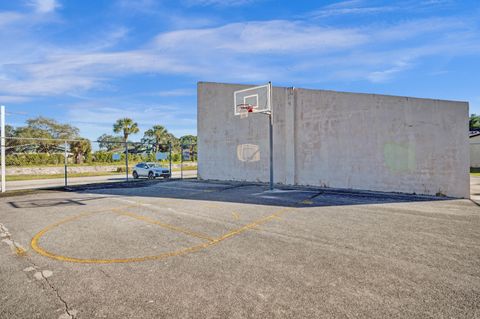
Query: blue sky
<point x="89" y="63"/>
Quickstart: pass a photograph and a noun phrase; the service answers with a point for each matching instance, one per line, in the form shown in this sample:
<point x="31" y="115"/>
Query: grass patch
<point x="13" y="178"/>
<point x="185" y="168"/>
<point x="475" y="171"/>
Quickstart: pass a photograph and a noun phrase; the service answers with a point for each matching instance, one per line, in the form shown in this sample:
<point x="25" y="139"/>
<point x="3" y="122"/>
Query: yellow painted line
<point x="165" y="225"/>
<point x="36" y="247"/>
<point x="236" y="216"/>
<point x="20" y="251"/>
<point x="254" y="224"/>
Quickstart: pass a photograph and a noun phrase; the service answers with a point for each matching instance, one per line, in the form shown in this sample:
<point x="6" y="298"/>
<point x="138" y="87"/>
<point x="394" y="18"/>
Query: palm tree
<point x="81" y="150"/>
<point x="157" y="136"/>
<point x="125" y="126"/>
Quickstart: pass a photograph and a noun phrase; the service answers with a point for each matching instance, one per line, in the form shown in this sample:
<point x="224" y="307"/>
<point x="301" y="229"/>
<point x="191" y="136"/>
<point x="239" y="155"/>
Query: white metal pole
<point x="2" y="127"/>
<point x="65" y="156"/>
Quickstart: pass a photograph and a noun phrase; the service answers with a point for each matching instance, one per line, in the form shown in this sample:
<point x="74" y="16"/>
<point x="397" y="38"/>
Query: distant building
<point x="474" y="148"/>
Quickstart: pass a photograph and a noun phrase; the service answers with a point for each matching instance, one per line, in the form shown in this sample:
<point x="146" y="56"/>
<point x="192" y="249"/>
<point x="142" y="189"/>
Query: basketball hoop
<point x="243" y="109"/>
<point x="256" y="99"/>
<point x="247" y="107"/>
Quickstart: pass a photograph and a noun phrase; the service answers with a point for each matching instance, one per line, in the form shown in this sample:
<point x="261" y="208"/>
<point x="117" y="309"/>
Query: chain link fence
<point x="45" y="163"/>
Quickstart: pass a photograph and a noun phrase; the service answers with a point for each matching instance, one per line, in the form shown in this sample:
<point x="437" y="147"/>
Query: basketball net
<point x="245" y="109"/>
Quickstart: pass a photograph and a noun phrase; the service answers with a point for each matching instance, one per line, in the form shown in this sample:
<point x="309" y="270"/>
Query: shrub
<point x="102" y="157"/>
<point x="31" y="159"/>
<point x="176" y="157"/>
<point x="26" y="159"/>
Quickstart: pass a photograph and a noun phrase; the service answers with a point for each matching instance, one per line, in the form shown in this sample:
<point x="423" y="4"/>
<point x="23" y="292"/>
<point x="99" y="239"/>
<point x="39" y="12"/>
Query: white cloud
<point x="274" y="37"/>
<point x="70" y="72"/>
<point x="330" y="12"/>
<point x="345" y="4"/>
<point x="362" y="7"/>
<point x="44" y="6"/>
<point x="7" y="18"/>
<point x="198" y="52"/>
<point x="384" y="75"/>
<point x="12" y="99"/>
<point x="223" y="3"/>
<point x="243" y="52"/>
<point x="416" y="28"/>
<point x="350" y="8"/>
<point x="176" y="92"/>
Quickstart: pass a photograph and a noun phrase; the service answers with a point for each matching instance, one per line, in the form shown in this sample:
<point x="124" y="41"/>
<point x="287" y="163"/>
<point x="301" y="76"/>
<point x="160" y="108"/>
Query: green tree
<point x="474" y="122"/>
<point x="43" y="128"/>
<point x="158" y="137"/>
<point x="125" y="126"/>
<point x="110" y="142"/>
<point x="81" y="150"/>
<point x="9" y="130"/>
<point x="188" y="140"/>
<point x="53" y="128"/>
<point x="10" y="143"/>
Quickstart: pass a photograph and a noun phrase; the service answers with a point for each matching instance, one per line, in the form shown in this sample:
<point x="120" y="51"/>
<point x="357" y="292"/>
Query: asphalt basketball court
<point x="198" y="249"/>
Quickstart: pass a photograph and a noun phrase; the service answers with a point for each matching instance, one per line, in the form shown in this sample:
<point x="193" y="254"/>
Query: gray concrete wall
<point x="337" y="139"/>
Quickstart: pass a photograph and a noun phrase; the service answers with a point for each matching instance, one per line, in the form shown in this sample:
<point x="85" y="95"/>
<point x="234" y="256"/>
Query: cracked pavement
<point x="185" y="249"/>
<point x="24" y="295"/>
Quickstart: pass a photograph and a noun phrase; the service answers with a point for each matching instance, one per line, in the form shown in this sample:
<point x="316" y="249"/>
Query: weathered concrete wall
<point x="475" y="151"/>
<point x="336" y="139"/>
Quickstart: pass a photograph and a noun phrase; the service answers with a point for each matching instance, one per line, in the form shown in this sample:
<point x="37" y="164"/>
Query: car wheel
<point x="135" y="175"/>
<point x="151" y="175"/>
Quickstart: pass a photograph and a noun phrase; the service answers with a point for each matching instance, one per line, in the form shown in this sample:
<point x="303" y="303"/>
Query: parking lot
<point x="194" y="249"/>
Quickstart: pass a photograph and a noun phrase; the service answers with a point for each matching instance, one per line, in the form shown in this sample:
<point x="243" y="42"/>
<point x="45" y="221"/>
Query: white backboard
<point x="257" y="98"/>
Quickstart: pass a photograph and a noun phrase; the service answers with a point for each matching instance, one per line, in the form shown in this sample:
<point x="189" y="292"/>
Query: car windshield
<point x="154" y="165"/>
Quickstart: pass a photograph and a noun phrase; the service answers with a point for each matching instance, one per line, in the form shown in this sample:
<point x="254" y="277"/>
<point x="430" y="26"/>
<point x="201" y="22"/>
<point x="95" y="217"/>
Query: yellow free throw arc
<point x="36" y="247"/>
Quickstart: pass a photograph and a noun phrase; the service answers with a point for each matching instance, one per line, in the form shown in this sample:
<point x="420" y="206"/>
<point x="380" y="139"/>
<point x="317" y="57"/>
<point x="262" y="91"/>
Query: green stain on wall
<point x="400" y="157"/>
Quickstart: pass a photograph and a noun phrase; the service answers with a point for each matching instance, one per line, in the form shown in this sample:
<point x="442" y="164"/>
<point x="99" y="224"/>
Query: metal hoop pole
<point x="270" y="124"/>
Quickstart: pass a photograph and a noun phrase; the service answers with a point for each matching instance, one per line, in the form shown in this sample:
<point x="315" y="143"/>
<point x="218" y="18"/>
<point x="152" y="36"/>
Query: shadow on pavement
<point x="50" y="202"/>
<point x="251" y="193"/>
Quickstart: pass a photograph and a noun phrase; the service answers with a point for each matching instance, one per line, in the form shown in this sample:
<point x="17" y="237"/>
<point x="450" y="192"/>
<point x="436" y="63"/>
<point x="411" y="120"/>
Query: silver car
<point x="150" y="170"/>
